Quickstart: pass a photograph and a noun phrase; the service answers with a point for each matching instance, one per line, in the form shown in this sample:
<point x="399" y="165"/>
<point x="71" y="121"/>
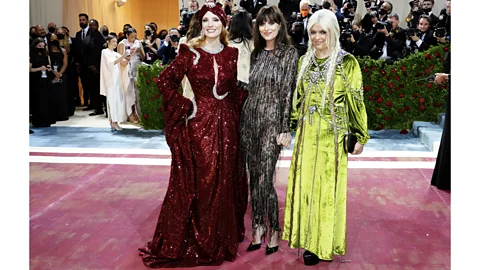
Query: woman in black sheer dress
<point x="59" y="63"/>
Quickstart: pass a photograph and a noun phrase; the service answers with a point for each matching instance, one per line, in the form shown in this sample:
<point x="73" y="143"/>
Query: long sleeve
<point x="106" y="66"/>
<point x="176" y="106"/>
<point x="357" y="113"/>
<point x="296" y="98"/>
<point x="290" y="62"/>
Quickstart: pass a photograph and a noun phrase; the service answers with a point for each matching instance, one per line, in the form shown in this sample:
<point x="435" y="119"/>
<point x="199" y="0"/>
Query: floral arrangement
<point x="395" y="94"/>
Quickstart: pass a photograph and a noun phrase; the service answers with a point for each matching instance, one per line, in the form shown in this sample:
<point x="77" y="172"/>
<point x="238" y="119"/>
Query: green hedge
<point x="394" y="96"/>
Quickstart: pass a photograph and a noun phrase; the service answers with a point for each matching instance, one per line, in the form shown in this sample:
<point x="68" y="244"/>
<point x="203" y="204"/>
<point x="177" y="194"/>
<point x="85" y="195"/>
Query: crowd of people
<point x="250" y="76"/>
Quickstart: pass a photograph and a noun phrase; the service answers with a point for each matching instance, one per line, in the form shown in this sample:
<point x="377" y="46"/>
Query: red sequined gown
<point x="201" y="219"/>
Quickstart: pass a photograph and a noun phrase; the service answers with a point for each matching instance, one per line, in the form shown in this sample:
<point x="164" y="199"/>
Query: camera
<point x="384" y="25"/>
<point x="315" y="7"/>
<point x="185" y="18"/>
<point x="413" y="32"/>
<point x="440" y="32"/>
<point x="345" y="29"/>
<point x="298" y="23"/>
<point x="174" y="38"/>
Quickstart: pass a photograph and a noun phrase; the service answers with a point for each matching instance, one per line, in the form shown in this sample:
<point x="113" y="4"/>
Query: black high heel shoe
<point x="253" y="247"/>
<point x="309" y="258"/>
<point x="274" y="249"/>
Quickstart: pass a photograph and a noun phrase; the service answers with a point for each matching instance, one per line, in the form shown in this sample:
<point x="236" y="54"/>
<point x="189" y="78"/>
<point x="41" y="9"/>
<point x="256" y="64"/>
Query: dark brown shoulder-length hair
<point x="269" y="13"/>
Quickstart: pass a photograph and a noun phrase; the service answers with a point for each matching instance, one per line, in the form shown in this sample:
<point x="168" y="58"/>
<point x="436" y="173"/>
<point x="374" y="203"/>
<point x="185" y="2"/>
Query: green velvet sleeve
<point x="296" y="100"/>
<point x="357" y="113"/>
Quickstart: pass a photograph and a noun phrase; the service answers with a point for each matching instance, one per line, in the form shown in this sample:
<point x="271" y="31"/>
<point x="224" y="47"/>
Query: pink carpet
<point x="85" y="216"/>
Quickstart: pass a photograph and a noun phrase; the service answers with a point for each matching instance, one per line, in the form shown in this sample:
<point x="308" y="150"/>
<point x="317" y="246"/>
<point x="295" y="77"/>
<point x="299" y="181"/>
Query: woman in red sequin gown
<point x="201" y="219"/>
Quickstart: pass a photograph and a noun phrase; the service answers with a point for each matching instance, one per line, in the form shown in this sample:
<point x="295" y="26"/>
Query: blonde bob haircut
<point x="327" y="20"/>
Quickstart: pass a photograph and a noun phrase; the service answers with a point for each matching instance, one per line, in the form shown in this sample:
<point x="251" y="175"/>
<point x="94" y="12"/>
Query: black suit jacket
<point x="77" y="49"/>
<point x="93" y="46"/>
<point x="396" y="43"/>
<point x="248" y="5"/>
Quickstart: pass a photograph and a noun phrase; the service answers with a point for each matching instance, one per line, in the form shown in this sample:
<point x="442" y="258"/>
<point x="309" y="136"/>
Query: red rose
<point x="373" y="68"/>
<point x="390" y="85"/>
<point x="367" y="88"/>
<point x="370" y="97"/>
<point x="379" y="111"/>
<point x="437" y="54"/>
<point x="445" y="49"/>
<point x="160" y="109"/>
<point x="380" y="100"/>
<point x="397" y="77"/>
<point x="144" y="74"/>
<point x="429" y="85"/>
<point x="406" y="108"/>
<point x="400" y="110"/>
<point x="380" y="126"/>
<point x="380" y="86"/>
<point x="396" y="89"/>
<point x="422" y="107"/>
<point x="402" y="95"/>
<point x="155" y="79"/>
<point x="427" y="56"/>
<point x="404" y="69"/>
<point x="403" y="131"/>
<point x="415" y="95"/>
<point x="437" y="104"/>
<point x="421" y="100"/>
<point x="440" y="87"/>
<point x="402" y="85"/>
<point x="365" y="70"/>
<point x="147" y="81"/>
<point x="388" y="104"/>
<point x="377" y="94"/>
<point x="427" y="71"/>
<point x="387" y="118"/>
<point x="390" y="92"/>
<point x="432" y="67"/>
<point x="394" y="70"/>
<point x="383" y="72"/>
<point x="446" y="86"/>
<point x="145" y="116"/>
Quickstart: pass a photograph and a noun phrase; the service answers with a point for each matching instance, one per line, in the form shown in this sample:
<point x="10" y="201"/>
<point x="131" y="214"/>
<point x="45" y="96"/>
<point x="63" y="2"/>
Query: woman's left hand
<point x="358" y="149"/>
<point x="284" y="139"/>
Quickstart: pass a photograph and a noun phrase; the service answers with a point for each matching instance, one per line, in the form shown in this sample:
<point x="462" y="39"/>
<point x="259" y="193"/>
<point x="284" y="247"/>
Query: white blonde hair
<point x="328" y="22"/>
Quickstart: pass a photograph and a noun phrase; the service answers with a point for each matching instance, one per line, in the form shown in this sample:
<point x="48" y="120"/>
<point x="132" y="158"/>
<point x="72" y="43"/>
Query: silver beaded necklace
<point x="217" y="51"/>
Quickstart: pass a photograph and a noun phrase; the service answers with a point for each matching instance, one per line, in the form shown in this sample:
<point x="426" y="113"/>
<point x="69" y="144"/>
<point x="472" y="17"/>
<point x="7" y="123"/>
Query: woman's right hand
<point x="42" y="68"/>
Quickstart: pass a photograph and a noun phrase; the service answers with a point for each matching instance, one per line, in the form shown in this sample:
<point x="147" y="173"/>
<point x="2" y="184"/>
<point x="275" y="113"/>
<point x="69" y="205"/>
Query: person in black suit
<point x="393" y="44"/>
<point x="78" y="53"/>
<point x="298" y="30"/>
<point x="253" y="6"/>
<point x="93" y="46"/>
<point x="425" y="39"/>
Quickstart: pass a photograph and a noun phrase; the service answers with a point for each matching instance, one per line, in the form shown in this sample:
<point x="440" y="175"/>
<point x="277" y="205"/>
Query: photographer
<point x="422" y="38"/>
<point x="169" y="48"/>
<point x="186" y="16"/>
<point x="442" y="29"/>
<point x="385" y="10"/>
<point x="357" y="42"/>
<point x="417" y="11"/>
<point x="395" y="38"/>
<point x="298" y="30"/>
<point x="347" y="11"/>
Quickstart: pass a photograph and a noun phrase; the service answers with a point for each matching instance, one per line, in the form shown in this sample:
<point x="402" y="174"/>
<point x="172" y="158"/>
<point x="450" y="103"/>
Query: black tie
<point x="83" y="34"/>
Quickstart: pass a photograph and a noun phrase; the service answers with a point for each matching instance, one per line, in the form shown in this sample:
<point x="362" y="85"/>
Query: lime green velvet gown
<point x="316" y="200"/>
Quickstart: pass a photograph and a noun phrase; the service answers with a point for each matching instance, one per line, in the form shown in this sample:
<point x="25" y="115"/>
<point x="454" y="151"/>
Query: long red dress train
<point x="201" y="219"/>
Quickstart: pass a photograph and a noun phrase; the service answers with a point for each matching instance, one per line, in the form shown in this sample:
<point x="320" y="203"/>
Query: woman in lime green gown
<point x="327" y="105"/>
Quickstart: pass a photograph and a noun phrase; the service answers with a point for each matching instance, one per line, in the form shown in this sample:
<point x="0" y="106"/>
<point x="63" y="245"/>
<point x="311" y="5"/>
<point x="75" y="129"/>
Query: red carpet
<point x="85" y="216"/>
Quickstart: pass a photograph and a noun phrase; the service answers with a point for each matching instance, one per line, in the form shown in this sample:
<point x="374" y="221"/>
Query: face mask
<point x="51" y="29"/>
<point x="148" y="32"/>
<point x="427" y="10"/>
<point x="60" y="36"/>
<point x="382" y="12"/>
<point x="105" y="33"/>
<point x="41" y="49"/>
<point x="304" y="13"/>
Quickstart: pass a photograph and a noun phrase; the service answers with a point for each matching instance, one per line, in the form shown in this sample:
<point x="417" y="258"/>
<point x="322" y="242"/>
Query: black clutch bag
<point x="349" y="143"/>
